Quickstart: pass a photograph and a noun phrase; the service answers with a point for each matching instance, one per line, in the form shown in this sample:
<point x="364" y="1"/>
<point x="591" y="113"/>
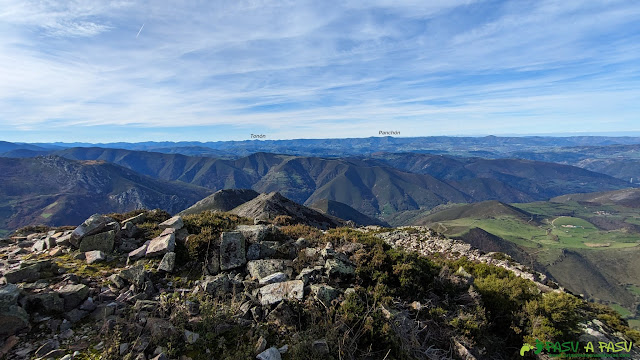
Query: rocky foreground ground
<point x="216" y="286"/>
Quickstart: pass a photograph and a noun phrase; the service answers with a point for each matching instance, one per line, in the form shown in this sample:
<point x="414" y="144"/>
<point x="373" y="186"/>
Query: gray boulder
<point x="325" y="293"/>
<point x="274" y="293"/>
<point x="336" y="268"/>
<point x="255" y="233"/>
<point x="174" y="223"/>
<point x="271" y="353"/>
<point x="9" y="295"/>
<point x="49" y="302"/>
<point x="94" y="256"/>
<point x="93" y="225"/>
<point x="262" y="268"/>
<point x="136" y="275"/>
<point x="168" y="262"/>
<point x="73" y="295"/>
<point x="12" y="317"/>
<point x="232" y="251"/>
<point x="161" y="245"/>
<point x="139" y="252"/>
<point x="262" y="250"/>
<point x="27" y="273"/>
<point x="102" y="241"/>
<point x="216" y="285"/>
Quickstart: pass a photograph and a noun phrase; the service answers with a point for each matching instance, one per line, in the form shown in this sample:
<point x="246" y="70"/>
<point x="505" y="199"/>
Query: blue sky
<point x="221" y="70"/>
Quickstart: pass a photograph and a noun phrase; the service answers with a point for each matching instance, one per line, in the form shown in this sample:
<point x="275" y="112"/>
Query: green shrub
<point x="553" y="317"/>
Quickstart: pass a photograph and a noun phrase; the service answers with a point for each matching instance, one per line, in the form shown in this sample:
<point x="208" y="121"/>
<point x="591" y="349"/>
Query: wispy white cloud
<point x="302" y="67"/>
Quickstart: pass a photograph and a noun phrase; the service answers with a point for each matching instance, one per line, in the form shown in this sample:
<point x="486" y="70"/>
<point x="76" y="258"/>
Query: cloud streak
<point x="333" y="69"/>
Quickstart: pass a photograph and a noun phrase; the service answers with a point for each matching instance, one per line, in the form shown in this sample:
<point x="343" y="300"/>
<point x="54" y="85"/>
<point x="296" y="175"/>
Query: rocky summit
<point x="215" y="285"/>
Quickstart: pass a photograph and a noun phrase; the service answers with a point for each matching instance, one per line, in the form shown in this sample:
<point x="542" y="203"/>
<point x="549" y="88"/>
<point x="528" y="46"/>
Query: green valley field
<point x="588" y="243"/>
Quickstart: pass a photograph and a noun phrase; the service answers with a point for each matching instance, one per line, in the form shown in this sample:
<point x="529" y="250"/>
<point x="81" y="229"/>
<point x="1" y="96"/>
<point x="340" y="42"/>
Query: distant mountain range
<point x="377" y="187"/>
<point x="487" y="146"/>
<point x="56" y="191"/>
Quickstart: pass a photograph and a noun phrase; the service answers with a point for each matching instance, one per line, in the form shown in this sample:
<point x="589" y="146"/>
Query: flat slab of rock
<point x="139" y="252"/>
<point x="29" y="273"/>
<point x="94" y="256"/>
<point x="262" y="268"/>
<point x="274" y="278"/>
<point x="64" y="240"/>
<point x="254" y="233"/>
<point x="174" y="223"/>
<point x="135" y="220"/>
<point x="93" y="225"/>
<point x="274" y="293"/>
<point x="232" y="253"/>
<point x="161" y="245"/>
<point x="102" y="241"/>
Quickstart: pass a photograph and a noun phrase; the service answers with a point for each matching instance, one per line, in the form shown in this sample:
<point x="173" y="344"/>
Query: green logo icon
<point x="525" y="348"/>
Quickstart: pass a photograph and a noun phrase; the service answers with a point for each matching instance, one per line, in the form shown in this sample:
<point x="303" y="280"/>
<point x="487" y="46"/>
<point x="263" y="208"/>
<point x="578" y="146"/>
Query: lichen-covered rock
<point x="93" y="225"/>
<point x="339" y="268"/>
<point x="161" y="245"/>
<point x="310" y="275"/>
<point x="262" y="250"/>
<point x="136" y="275"/>
<point x="174" y="223"/>
<point x="262" y="268"/>
<point x="102" y="241"/>
<point x="216" y="285"/>
<point x="255" y="233"/>
<point x="324" y="293"/>
<point x="232" y="250"/>
<point x="27" y="272"/>
<point x="168" y="262"/>
<point x="274" y="293"/>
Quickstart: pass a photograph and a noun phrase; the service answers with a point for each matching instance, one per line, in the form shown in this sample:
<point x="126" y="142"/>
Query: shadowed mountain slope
<point x="345" y="212"/>
<point x="481" y="210"/>
<point x="380" y="187"/>
<point x="271" y="205"/>
<point x="54" y="191"/>
<point x="222" y="200"/>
